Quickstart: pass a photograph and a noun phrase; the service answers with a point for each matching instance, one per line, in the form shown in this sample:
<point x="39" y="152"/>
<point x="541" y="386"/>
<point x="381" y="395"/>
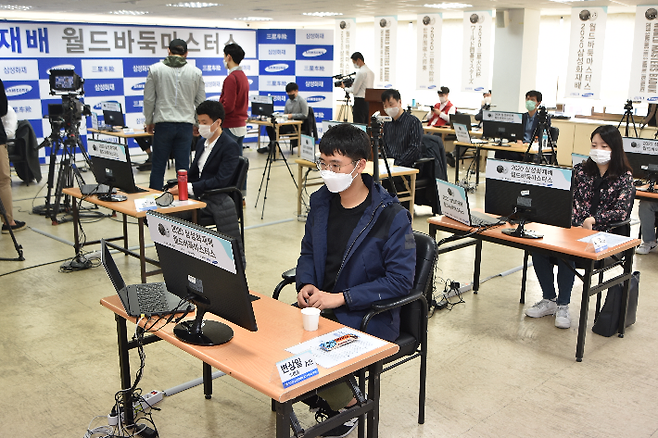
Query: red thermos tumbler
<point x="182" y="185"/>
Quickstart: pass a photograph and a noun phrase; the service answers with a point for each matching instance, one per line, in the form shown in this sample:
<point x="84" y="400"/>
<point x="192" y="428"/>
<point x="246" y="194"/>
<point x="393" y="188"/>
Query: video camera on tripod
<point x="346" y="80"/>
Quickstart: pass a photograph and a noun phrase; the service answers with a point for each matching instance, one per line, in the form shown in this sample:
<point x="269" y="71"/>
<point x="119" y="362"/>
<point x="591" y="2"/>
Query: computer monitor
<point x="462" y="119"/>
<point x="528" y="192"/>
<point x="110" y="163"/>
<point x="112" y="114"/>
<point x="262" y="109"/>
<point x="642" y="155"/>
<point x="502" y="125"/>
<point x="205" y="268"/>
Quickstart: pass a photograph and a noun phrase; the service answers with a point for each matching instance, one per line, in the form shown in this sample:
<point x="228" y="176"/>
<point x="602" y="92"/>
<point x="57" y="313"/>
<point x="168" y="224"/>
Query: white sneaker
<point x="646" y="248"/>
<point x="562" y="317"/>
<point x="543" y="308"/>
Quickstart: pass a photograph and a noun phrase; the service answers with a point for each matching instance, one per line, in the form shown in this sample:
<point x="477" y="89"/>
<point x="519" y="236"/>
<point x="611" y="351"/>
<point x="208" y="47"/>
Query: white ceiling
<point x="288" y="12"/>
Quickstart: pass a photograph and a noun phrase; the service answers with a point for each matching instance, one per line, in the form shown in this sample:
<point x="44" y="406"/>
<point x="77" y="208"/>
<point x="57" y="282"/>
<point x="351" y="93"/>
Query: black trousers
<point x="360" y="111"/>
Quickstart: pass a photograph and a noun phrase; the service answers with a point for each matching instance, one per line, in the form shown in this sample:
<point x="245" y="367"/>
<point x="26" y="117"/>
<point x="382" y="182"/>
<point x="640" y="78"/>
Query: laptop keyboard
<point x="151" y="298"/>
<point x="480" y="219"/>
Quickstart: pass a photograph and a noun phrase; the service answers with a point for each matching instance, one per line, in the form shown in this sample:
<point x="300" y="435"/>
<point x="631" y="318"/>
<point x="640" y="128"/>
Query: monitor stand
<point x="200" y="331"/>
<point x="203" y="332"/>
<point x="521" y="232"/>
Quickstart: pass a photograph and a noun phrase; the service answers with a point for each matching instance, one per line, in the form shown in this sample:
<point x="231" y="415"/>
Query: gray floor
<point x="492" y="371"/>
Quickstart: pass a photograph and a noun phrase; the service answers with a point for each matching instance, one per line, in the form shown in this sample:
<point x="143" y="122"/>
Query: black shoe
<point x="263" y="150"/>
<point x="18" y="227"/>
<point x="342" y="430"/>
<point x="146" y="165"/>
<point x="450" y="159"/>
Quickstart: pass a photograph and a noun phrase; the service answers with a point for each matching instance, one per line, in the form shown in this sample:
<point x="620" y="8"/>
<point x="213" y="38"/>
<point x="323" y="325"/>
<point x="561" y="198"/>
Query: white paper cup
<point x="310" y="318"/>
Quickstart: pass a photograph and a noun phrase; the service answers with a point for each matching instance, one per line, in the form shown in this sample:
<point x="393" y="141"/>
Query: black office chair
<point x="239" y="177"/>
<point x="413" y="315"/>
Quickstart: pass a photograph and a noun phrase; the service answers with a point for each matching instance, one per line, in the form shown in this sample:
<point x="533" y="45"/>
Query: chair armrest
<point x="170" y="183"/>
<point x="613" y="225"/>
<point x="392" y="303"/>
<point x="420" y="161"/>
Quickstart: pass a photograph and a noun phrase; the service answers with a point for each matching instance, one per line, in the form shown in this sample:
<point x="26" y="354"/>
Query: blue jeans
<point x="565" y="277"/>
<point x="169" y="137"/>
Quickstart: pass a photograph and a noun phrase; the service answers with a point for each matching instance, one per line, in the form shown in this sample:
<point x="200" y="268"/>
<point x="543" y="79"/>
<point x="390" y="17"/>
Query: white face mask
<point x="337" y="182"/>
<point x="205" y="132"/>
<point x="392" y="111"/>
<point x="443" y="99"/>
<point x="225" y="64"/>
<point x="600" y="156"/>
<point x="487" y="100"/>
<point x="356" y="66"/>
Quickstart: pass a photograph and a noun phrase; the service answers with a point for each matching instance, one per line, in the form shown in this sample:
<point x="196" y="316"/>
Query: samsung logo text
<point x="312" y="53"/>
<point x="18" y="90"/>
<point x="275" y="68"/>
<point x="138" y="87"/>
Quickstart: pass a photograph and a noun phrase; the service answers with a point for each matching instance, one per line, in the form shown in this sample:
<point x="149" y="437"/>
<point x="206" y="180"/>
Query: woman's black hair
<point x="618" y="162"/>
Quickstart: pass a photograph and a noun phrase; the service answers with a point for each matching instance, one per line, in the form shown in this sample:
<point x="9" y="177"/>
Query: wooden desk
<point x="558" y="242"/>
<point x="250" y="357"/>
<point x="120" y="134"/>
<point x="296" y="124"/>
<point x="127" y="208"/>
<point x="408" y="195"/>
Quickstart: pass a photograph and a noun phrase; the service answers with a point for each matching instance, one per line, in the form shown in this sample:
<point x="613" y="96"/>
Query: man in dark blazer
<point x="214" y="166"/>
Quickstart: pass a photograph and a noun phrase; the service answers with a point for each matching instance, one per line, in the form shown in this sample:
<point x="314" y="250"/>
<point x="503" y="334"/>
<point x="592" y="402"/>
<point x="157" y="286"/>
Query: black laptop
<point x="89" y="189"/>
<point x="146" y="299"/>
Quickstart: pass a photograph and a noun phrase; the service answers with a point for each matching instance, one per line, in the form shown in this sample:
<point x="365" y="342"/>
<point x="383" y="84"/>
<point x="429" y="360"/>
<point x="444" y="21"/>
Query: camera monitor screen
<point x="502" y="125"/>
<point x="205" y="267"/>
<point x="64" y="81"/>
<point x="112" y="114"/>
<point x="641" y="152"/>
<point x="110" y="163"/>
<point x="529" y="193"/>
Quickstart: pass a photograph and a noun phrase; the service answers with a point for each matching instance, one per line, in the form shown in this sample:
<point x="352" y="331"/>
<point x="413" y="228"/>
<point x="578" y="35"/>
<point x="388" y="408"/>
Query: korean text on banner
<point x="386" y="36"/>
<point x="429" y="50"/>
<point x="477" y="51"/>
<point x="344" y="44"/>
<point x="586" y="52"/>
<point x="644" y="78"/>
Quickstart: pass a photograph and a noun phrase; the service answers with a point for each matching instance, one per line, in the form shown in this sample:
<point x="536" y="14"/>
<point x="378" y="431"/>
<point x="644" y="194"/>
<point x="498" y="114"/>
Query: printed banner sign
<point x="344" y="43"/>
<point x="193" y="242"/>
<point x="527" y="173"/>
<point x="386" y="37"/>
<point x="640" y="146"/>
<point x="108" y="150"/>
<point x="586" y="52"/>
<point x="644" y="64"/>
<point x="477" y="51"/>
<point x="429" y="50"/>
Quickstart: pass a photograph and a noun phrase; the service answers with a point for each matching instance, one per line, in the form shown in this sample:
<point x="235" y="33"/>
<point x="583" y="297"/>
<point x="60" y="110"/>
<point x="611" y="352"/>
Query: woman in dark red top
<point x="603" y="194"/>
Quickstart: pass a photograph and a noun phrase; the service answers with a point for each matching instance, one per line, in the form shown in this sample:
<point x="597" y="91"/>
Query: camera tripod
<point x="344" y="111"/>
<point x="271" y="157"/>
<point x="375" y="131"/>
<point x="543" y="128"/>
<point x="67" y="142"/>
<point x="628" y="118"/>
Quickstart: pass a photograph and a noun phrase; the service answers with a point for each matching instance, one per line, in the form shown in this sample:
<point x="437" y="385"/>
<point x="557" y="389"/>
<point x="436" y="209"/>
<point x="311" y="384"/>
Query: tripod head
<point x="542" y="114"/>
<point x="628" y="106"/>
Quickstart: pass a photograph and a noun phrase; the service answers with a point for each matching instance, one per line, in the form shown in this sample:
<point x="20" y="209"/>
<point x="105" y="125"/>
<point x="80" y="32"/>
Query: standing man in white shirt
<point x="365" y="78"/>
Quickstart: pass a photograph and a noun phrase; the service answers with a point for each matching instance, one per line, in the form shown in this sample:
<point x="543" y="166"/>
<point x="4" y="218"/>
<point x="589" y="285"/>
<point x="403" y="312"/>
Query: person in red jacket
<point x="235" y="94"/>
<point x="442" y="110"/>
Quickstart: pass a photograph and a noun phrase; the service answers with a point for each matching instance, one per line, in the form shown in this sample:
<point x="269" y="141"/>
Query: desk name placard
<point x="297" y="368"/>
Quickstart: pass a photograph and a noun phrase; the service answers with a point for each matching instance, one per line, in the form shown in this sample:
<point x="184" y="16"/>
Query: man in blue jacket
<point x="358" y="248"/>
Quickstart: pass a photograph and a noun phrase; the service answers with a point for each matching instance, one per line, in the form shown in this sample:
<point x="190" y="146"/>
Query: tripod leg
<point x="19" y="248"/>
<point x="270" y="159"/>
<point x="286" y="162"/>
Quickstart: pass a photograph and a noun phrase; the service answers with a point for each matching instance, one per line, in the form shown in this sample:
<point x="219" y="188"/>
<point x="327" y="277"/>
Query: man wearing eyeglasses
<point x="358" y="248"/>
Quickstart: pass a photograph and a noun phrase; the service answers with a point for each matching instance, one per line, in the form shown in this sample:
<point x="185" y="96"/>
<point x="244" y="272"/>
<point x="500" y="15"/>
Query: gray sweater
<point x="173" y="90"/>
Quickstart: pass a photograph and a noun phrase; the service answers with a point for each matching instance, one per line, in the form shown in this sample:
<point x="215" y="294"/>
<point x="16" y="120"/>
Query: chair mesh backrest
<point x="426" y="253"/>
